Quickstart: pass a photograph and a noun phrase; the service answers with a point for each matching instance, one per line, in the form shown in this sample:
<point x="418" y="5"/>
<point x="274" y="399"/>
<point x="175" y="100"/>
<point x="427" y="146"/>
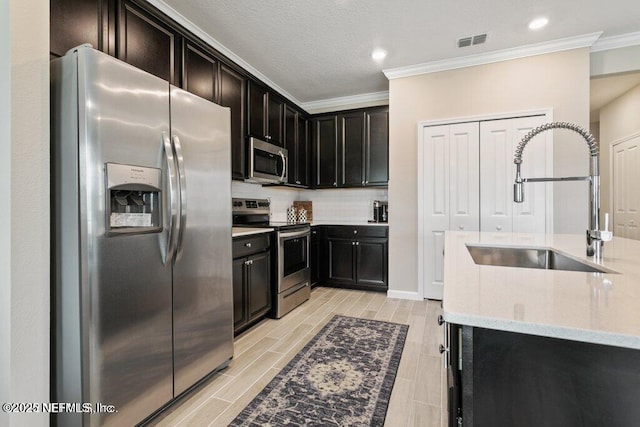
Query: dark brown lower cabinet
<point x="251" y="281"/>
<point x="315" y="255"/>
<point x="357" y="257"/>
<point x="499" y="378"/>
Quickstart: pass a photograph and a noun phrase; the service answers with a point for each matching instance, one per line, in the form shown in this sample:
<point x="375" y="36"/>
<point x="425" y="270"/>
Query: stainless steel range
<point x="293" y="284"/>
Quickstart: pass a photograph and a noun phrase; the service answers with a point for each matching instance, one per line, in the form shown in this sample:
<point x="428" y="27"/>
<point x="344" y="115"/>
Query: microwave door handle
<point x="183" y="196"/>
<point x="284" y="165"/>
<point x="169" y="247"/>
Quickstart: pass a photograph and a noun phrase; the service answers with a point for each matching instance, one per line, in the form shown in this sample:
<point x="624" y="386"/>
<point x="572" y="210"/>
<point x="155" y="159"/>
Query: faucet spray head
<point x="518" y="187"/>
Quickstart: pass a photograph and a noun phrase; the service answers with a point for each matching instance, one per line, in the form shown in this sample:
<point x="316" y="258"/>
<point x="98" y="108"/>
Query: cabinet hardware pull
<point x="440" y="320"/>
<point x="248" y="245"/>
<point x="357" y="243"/>
<point x="498" y="228"/>
<point x="355" y="231"/>
<point x="362" y="182"/>
<point x="442" y="349"/>
<point x="461" y="227"/>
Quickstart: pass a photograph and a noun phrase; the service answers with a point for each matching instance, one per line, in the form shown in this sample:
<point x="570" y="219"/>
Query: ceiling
<point x="317" y="50"/>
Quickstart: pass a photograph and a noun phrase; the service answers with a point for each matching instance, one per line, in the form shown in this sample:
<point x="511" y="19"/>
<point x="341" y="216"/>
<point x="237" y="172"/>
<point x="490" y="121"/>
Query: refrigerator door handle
<point x="183" y="195"/>
<point x="169" y="249"/>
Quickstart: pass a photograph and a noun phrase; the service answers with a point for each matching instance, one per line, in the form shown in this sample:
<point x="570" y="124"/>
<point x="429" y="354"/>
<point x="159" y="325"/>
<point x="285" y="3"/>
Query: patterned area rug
<point x="342" y="377"/>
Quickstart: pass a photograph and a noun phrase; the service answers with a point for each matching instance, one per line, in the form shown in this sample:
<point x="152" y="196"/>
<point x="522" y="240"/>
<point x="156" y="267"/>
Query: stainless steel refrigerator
<point x="142" y="239"/>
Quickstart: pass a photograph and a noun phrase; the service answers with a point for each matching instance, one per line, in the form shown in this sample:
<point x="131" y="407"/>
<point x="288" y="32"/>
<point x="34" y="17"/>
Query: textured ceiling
<point x="317" y="50"/>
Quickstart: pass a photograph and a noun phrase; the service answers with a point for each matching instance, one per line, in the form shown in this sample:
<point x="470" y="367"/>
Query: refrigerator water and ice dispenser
<point x="133" y="199"/>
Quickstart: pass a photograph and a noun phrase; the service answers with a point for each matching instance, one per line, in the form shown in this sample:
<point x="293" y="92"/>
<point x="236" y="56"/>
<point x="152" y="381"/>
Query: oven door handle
<point x="292" y="234"/>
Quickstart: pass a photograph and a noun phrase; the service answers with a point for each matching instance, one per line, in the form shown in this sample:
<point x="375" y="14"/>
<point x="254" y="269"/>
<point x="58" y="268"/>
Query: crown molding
<point x="176" y="16"/>
<point x="586" y="40"/>
<point x="615" y="42"/>
<point x="344" y="101"/>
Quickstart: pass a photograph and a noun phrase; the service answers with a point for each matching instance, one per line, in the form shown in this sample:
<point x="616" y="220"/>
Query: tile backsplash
<point x="349" y="204"/>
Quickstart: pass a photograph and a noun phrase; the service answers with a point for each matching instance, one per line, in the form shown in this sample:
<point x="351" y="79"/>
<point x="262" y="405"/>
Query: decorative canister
<point x="291" y="214"/>
<point x="302" y="215"/>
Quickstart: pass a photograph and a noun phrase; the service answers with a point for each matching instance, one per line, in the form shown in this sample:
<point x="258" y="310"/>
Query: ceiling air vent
<point x="473" y="40"/>
<point x="479" y="39"/>
<point x="465" y="41"/>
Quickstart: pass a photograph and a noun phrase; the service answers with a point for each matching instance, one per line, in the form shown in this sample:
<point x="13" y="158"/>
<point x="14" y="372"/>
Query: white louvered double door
<point x="467" y="185"/>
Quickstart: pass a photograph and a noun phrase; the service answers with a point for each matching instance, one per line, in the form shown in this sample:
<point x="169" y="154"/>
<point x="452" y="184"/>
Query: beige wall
<point x="559" y="81"/>
<point x="24" y="184"/>
<point x="618" y="119"/>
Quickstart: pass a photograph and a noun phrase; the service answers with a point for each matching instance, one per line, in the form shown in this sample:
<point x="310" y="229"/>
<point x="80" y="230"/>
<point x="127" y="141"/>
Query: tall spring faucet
<point x="595" y="236"/>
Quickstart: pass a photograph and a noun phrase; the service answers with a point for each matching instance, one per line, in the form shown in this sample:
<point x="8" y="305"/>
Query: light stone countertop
<point x="246" y="231"/>
<point x="598" y="308"/>
<point x="341" y="222"/>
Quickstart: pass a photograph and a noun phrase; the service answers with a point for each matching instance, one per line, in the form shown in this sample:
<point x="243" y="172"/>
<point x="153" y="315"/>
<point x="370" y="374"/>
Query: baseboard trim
<point x="414" y="296"/>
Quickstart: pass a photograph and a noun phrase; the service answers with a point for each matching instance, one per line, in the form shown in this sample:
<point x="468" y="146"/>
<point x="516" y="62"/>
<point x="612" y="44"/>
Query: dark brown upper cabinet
<point x="325" y="152"/>
<point x="302" y="153"/>
<point x="232" y="94"/>
<point x="146" y="42"/>
<point x="74" y="22"/>
<point x="296" y="143"/>
<point x="199" y="72"/>
<point x="265" y="114"/>
<point x="377" y="147"/>
<point x="361" y="153"/>
<point x="352" y="130"/>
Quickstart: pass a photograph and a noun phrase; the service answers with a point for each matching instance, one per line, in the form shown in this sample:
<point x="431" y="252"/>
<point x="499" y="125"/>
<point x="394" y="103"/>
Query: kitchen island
<point x="530" y="346"/>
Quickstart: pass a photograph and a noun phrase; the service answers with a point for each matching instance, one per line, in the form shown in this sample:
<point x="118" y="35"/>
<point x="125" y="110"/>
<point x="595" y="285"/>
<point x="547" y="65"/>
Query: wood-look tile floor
<point x="418" y="397"/>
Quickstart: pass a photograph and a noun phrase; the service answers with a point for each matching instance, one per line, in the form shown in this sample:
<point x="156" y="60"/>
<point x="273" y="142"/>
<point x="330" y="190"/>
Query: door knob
<point x="461" y="227"/>
<point x="499" y="227"/>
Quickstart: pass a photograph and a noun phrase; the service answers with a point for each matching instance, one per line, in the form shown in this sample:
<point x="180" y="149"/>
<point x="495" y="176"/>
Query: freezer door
<point x="202" y="285"/>
<point x="126" y="324"/>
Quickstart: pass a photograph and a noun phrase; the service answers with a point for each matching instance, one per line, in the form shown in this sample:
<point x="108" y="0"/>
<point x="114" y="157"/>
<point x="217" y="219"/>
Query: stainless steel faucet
<point x="595" y="236"/>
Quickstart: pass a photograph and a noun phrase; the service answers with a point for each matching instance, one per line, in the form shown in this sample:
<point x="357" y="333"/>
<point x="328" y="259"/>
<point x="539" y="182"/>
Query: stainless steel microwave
<point x="268" y="163"/>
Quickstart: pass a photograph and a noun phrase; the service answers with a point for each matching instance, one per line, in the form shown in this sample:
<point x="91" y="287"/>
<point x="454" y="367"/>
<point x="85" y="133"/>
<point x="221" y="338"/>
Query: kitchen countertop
<point x="246" y="231"/>
<point x="599" y="308"/>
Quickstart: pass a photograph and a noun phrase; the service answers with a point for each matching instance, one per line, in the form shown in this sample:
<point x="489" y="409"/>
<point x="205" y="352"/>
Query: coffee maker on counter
<point x="380" y="211"/>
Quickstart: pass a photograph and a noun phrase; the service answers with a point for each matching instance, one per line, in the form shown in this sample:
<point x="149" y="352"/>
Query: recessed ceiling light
<point x="538" y="23"/>
<point x="379" y="54"/>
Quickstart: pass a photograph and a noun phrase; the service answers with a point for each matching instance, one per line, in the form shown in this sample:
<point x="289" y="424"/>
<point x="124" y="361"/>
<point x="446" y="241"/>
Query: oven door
<point x="267" y="162"/>
<point x="293" y="258"/>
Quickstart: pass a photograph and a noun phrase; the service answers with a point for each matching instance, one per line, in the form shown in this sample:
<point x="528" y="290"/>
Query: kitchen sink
<point x="528" y="257"/>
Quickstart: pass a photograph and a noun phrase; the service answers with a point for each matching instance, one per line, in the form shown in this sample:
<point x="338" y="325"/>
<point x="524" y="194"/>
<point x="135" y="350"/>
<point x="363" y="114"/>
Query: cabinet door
<point x="74" y="22"/>
<point x="275" y="121"/>
<point x="257" y="110"/>
<point x="314" y="256"/>
<point x="326" y="152"/>
<point x="145" y="42"/>
<point x="341" y="253"/>
<point x="352" y="147"/>
<point x="377" y="148"/>
<point x="302" y="157"/>
<point x="239" y="293"/>
<point x="232" y="94"/>
<point x="291" y="142"/>
<point x="199" y="72"/>
<point x="259" y="285"/>
<point x="371" y="262"/>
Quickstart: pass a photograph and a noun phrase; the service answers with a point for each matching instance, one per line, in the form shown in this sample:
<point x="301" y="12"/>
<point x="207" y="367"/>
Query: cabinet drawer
<point x="243" y="246"/>
<point x="348" y="231"/>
